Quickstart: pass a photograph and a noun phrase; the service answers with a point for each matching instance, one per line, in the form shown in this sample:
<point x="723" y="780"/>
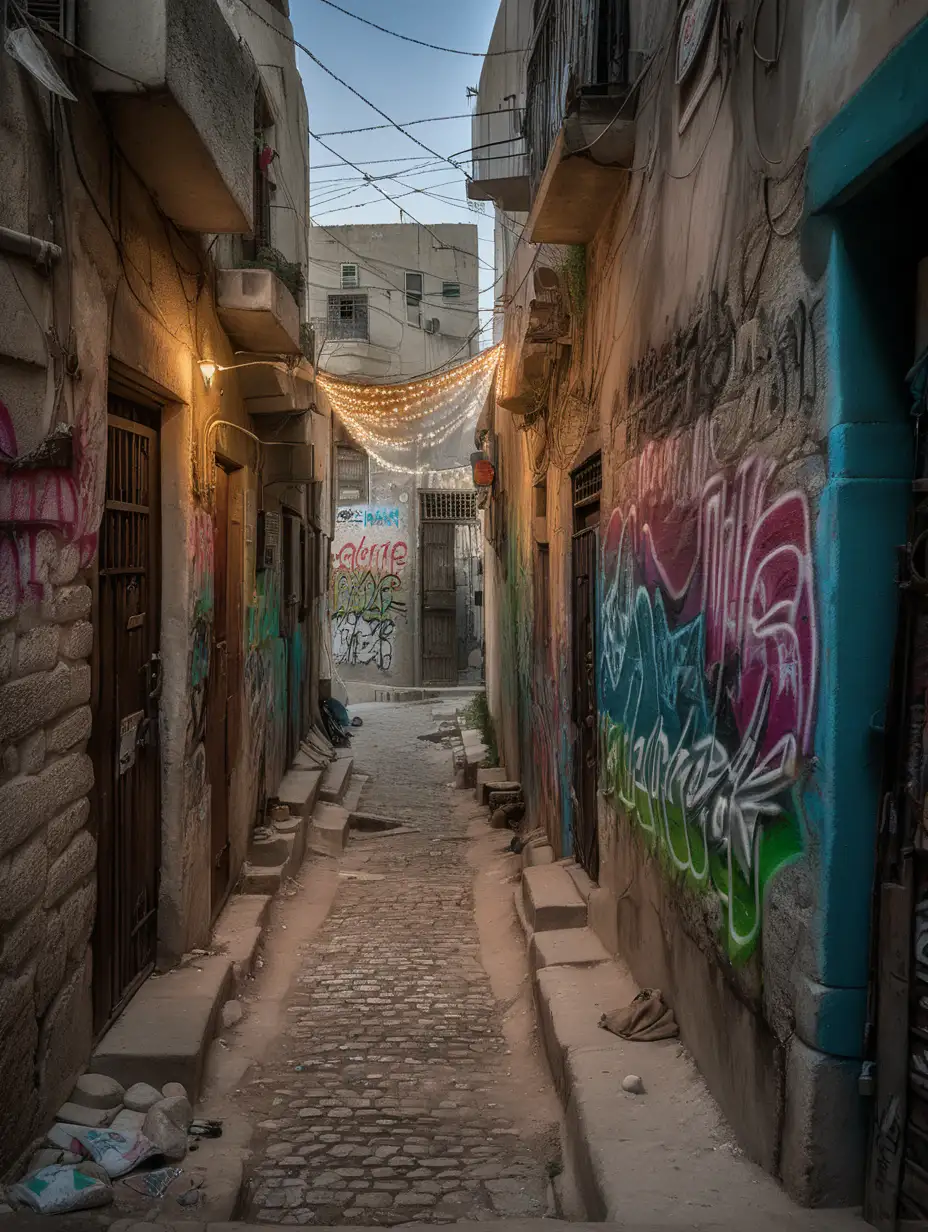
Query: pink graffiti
<point x="38" y="508"/>
<point x="200" y="548"/>
<point x="742" y="558"/>
<point x="390" y="557"/>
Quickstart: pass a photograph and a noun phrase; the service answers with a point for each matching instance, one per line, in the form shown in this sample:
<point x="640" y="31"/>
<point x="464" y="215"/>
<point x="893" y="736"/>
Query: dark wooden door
<point x="439" y="605"/>
<point x="126" y="752"/>
<point x="218" y="707"/>
<point x="585" y="832"/>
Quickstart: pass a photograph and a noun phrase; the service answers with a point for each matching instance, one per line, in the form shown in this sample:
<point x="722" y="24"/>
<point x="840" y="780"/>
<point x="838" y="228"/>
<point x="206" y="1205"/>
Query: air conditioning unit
<point x="432" y="325"/>
<point x="58" y="14"/>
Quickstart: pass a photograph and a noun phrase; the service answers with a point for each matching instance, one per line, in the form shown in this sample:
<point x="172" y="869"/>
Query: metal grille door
<point x="126" y="737"/>
<point x="439" y="604"/>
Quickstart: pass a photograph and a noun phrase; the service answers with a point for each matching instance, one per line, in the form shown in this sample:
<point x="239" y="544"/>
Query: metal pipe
<point x="42" y="252"/>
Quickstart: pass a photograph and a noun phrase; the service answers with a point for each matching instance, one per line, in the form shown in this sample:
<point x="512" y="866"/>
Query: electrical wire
<point x="463" y="115"/>
<point x="453" y="51"/>
<point x="341" y="81"/>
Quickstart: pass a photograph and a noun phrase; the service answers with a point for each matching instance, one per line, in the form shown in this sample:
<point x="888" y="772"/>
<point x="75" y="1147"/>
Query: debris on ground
<point x="647" y="1019"/>
<point x="104" y="1133"/>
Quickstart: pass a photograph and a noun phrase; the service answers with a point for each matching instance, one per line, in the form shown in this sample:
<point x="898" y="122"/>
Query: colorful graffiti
<point x="364" y="613"/>
<point x="708" y="670"/>
<point x="367" y="588"/>
<point x="45" y="506"/>
<point x="354" y="515"/>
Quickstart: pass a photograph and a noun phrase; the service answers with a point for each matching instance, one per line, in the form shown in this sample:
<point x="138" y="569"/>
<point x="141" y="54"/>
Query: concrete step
<point x="581" y="879"/>
<point x="487" y="777"/>
<point x="352" y="796"/>
<point x="239" y="931"/>
<point x="272" y="860"/>
<point x="566" y="947"/>
<point x="328" y="834"/>
<point x="335" y="779"/>
<point x="299" y="789"/>
<point x="164" y="1032"/>
<point x="551" y="899"/>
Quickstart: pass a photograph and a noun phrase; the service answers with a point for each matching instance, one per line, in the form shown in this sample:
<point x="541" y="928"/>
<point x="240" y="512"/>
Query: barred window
<point x="348" y="318"/>
<point x="352" y="471"/>
<point x="453" y="506"/>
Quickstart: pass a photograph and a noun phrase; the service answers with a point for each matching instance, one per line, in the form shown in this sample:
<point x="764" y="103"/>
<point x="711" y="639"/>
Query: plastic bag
<point x="117" y="1152"/>
<point x="57" y="1189"/>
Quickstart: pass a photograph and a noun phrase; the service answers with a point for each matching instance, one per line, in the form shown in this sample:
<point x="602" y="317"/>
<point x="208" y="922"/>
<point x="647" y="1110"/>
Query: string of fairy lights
<point x="415" y="415"/>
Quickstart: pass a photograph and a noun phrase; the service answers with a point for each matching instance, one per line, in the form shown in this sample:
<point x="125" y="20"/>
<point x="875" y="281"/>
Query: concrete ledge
<point x="270" y="861"/>
<point x="540" y="852"/>
<point x="581" y="879"/>
<point x="352" y="797"/>
<point x="335" y="780"/>
<point x="486" y="777"/>
<point x="239" y="930"/>
<point x="328" y="834"/>
<point x="551" y="899"/>
<point x="299" y="790"/>
<point x="571" y="947"/>
<point x="163" y="1034"/>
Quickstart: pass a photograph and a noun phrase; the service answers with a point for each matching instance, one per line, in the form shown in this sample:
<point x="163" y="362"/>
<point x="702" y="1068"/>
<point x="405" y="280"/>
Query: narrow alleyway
<point x="393" y="1092"/>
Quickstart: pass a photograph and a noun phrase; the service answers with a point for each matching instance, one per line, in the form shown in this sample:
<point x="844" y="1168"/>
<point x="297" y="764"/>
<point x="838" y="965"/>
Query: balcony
<point x="258" y="312"/>
<point x="269" y="388"/>
<point x="580" y="122"/>
<point x="182" y="108"/>
<point x="500" y="160"/>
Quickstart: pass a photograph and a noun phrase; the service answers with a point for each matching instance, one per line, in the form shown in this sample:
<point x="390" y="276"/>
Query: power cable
<point x="463" y="115"/>
<point x="341" y="81"/>
<point x="453" y="51"/>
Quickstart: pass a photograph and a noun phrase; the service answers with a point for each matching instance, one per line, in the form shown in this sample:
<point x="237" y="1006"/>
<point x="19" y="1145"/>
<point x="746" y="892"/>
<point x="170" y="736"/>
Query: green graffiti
<point x="650" y="788"/>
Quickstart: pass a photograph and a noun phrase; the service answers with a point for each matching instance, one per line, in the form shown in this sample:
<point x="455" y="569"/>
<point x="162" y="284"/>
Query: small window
<point x="351" y="277"/>
<point x="352" y="473"/>
<point x="451" y="290"/>
<point x="347" y="319"/>
<point x="414" y="300"/>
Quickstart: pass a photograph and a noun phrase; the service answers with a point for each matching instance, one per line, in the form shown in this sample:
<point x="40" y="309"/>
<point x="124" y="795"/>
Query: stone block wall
<point x="47" y="856"/>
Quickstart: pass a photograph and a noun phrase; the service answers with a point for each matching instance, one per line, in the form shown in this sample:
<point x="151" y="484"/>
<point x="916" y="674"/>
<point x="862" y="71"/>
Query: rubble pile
<point x="105" y="1133"/>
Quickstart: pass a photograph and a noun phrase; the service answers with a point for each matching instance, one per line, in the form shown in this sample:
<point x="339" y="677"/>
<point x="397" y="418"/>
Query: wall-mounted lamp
<point x="208" y="371"/>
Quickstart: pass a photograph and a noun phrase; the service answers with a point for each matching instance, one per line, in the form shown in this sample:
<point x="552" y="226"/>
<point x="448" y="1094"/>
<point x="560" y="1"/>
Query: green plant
<point x="290" y="273"/>
<point x="575" y="274"/>
<point x="476" y="715"/>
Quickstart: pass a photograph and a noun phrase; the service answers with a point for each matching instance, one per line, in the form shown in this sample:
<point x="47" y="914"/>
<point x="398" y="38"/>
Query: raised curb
<point x="164" y="1032"/>
<point x="551" y="899"/>
<point x="328" y="833"/>
<point x="571" y="947"/>
<point x="335" y="780"/>
<point x="486" y="777"/>
<point x="299" y="790"/>
<point x="239" y="931"/>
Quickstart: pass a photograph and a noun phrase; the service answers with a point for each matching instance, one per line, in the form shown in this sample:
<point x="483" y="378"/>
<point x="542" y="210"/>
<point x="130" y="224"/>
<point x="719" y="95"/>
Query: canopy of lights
<point x="418" y="426"/>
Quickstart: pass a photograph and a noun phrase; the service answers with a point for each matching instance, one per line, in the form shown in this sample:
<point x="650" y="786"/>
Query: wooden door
<point x="218" y="708"/>
<point x="439" y="605"/>
<point x="126" y="751"/>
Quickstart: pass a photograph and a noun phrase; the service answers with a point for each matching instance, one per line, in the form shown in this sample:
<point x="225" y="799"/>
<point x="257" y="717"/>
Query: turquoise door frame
<point x="852" y="209"/>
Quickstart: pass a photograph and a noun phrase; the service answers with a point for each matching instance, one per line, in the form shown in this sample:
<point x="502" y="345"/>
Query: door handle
<point x="156" y="668"/>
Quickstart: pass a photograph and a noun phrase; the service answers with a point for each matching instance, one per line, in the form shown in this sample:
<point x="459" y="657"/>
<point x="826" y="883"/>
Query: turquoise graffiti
<point x="707" y="682"/>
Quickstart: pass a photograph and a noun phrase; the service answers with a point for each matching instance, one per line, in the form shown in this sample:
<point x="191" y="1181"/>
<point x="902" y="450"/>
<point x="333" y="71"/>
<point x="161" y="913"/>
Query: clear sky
<point x="408" y="83"/>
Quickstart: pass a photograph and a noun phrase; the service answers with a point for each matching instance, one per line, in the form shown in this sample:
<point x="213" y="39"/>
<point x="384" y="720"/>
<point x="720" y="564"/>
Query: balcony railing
<point x="579" y="51"/>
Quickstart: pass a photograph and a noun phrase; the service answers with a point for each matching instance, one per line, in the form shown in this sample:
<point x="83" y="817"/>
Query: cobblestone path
<point x="389" y="1098"/>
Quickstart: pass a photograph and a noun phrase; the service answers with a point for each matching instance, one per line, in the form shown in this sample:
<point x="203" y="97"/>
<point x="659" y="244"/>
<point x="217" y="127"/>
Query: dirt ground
<point x="388" y="1063"/>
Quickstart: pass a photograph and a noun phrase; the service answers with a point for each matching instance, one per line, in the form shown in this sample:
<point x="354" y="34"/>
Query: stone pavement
<point x="391" y="1097"/>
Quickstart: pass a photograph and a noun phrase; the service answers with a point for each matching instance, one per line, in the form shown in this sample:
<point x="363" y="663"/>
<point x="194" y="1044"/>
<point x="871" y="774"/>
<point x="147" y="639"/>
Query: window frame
<point x="414" y="298"/>
<point x="336" y="303"/>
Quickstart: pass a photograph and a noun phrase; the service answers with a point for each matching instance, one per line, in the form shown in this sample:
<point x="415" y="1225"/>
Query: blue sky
<point x="408" y="83"/>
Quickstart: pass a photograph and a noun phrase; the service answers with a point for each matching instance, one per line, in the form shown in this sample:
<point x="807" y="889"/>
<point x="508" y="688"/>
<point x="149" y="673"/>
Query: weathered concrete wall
<point x="138" y="311"/>
<point x="703" y="366"/>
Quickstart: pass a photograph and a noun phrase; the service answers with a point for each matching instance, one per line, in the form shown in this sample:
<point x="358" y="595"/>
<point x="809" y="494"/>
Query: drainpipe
<point x="41" y="252"/>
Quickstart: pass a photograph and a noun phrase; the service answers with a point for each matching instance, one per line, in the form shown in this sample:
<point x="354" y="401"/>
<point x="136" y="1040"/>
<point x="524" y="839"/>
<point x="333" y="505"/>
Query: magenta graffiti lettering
<point x="40" y="508"/>
<point x="709" y="667"/>
<point x="389" y="557"/>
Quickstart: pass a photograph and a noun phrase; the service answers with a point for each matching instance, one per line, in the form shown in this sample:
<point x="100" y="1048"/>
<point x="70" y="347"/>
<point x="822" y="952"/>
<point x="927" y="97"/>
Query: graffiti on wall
<point x="708" y="641"/>
<point x="45" y="507"/>
<point x="367" y="587"/>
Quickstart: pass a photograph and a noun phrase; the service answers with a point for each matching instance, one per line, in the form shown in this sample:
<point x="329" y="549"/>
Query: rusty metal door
<point x="586" y="489"/>
<point x="439" y="605"/>
<point x="126" y="752"/>
<point x="219" y="707"/>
